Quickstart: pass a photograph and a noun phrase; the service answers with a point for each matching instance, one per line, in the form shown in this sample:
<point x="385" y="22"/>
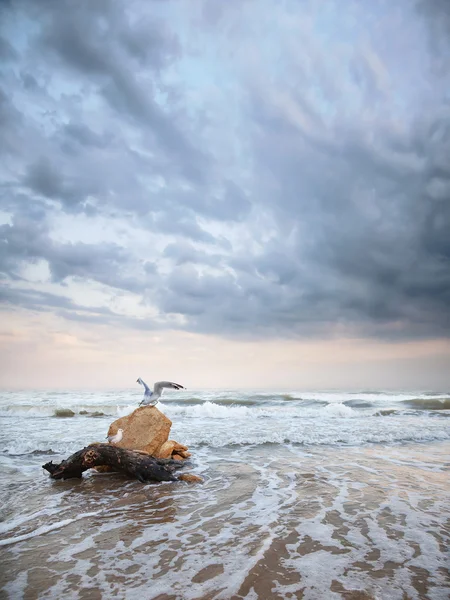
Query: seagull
<point x="151" y="398"/>
<point x="114" y="439"/>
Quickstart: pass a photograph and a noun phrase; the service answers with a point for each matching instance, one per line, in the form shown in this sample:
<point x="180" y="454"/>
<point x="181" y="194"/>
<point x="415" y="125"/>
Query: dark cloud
<point x="227" y="203"/>
<point x="183" y="253"/>
<point x="179" y="222"/>
<point x="296" y="191"/>
<point x="7" y="51"/>
<point x="27" y="240"/>
<point x="150" y="42"/>
<point x="438" y="14"/>
<point x="91" y="41"/>
<point x="44" y="301"/>
<point x="45" y="180"/>
<point x="368" y="226"/>
<point x="81" y="134"/>
<point x="9" y="116"/>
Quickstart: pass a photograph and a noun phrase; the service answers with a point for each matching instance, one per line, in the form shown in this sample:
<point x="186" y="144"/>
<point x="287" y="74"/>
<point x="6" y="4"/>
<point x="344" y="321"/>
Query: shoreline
<point x="358" y="523"/>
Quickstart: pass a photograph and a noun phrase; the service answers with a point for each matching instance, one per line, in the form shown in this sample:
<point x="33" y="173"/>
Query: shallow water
<point x="305" y="496"/>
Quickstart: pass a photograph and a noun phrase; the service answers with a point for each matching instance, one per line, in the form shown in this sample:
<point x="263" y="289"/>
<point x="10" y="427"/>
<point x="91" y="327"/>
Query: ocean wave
<point x="192" y="401"/>
<point x="329" y="438"/>
<point x="429" y="403"/>
<point x="39" y="411"/>
<point x="25" y="447"/>
<point x="358" y="403"/>
<point x="339" y="410"/>
<point x="26" y="410"/>
<point x="380" y="397"/>
<point x="211" y="410"/>
<point x="214" y="411"/>
<point x="24" y="452"/>
<point x="229" y="409"/>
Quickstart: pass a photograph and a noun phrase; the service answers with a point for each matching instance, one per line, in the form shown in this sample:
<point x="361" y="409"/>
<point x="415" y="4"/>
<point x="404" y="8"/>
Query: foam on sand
<point x="44" y="529"/>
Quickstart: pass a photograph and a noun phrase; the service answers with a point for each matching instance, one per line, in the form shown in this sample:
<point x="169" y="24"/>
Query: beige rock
<point x="183" y="454"/>
<point x="177" y="457"/>
<point x="178" y="447"/>
<point x="146" y="428"/>
<point x="190" y="478"/>
<point x="166" y="449"/>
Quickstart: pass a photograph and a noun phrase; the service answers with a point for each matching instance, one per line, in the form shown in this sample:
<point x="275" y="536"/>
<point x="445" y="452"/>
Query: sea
<point x="313" y="495"/>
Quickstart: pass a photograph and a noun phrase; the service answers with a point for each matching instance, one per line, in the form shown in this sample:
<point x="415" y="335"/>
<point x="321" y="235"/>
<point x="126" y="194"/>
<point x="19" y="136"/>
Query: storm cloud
<point x="254" y="170"/>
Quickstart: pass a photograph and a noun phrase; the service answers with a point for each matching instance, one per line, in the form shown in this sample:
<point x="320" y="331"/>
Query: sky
<point x="225" y="194"/>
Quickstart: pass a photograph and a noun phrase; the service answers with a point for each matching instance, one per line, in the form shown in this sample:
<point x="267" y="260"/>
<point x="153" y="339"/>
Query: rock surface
<point x="190" y="478"/>
<point x="165" y="451"/>
<point x="146" y="428"/>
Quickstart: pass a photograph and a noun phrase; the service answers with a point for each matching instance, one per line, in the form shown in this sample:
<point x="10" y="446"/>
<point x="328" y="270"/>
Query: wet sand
<point x="272" y="522"/>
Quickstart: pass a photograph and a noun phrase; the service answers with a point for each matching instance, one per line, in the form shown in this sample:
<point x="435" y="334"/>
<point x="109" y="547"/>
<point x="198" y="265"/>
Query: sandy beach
<point x="271" y="520"/>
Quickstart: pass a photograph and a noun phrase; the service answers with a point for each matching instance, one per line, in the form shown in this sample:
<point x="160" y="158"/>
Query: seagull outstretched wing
<point x="159" y="385"/>
<point x="147" y="390"/>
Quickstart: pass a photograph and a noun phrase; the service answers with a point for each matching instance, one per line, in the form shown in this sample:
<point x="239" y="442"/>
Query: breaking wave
<point x="429" y="403"/>
<point x="211" y="410"/>
<point x="226" y="408"/>
<point x="36" y="411"/>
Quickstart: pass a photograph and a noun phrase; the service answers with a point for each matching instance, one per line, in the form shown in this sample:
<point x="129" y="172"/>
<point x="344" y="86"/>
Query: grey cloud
<point x="28" y="240"/>
<point x="227" y="204"/>
<point x="83" y="135"/>
<point x="368" y="223"/>
<point x="7" y="51"/>
<point x="45" y="180"/>
<point x="9" y="117"/>
<point x="438" y="14"/>
<point x="150" y="42"/>
<point x="64" y="307"/>
<point x="29" y="82"/>
<point x="43" y="301"/>
<point x="177" y="222"/>
<point x="318" y="178"/>
<point x="182" y="253"/>
<point x="278" y="266"/>
<point x="73" y="191"/>
<point x="191" y="294"/>
<point x="78" y="36"/>
<point x="224" y="202"/>
<point x="87" y="166"/>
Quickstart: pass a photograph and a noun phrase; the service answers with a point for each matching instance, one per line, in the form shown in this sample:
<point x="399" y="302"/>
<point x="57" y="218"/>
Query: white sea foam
<point x="340" y="410"/>
<point x="51" y="507"/>
<point x="44" y="529"/>
<point x="218" y="426"/>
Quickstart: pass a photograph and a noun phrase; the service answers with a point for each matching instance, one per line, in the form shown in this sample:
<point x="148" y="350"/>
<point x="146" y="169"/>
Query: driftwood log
<point x="139" y="465"/>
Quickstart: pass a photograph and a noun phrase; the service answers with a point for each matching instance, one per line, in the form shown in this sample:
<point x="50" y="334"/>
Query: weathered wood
<point x="136" y="464"/>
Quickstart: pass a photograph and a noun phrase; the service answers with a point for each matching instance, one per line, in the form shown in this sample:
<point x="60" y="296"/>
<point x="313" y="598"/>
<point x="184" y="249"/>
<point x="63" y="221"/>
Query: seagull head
<point x="120" y="431"/>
